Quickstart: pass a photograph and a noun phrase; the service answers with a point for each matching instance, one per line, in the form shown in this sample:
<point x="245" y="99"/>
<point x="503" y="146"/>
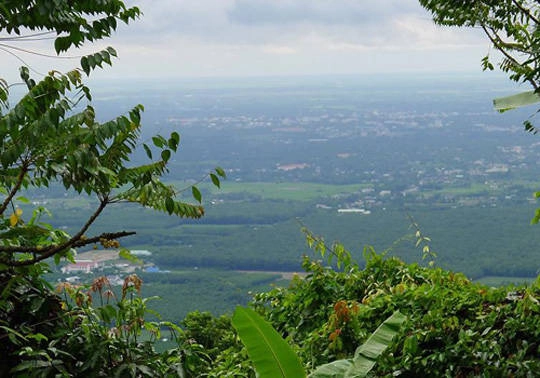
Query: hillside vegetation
<point x="453" y="327"/>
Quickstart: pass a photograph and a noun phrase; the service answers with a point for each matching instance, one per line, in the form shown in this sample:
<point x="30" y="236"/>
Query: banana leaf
<point x="335" y="369"/>
<point x="503" y="104"/>
<point x="270" y="354"/>
<point x="366" y="354"/>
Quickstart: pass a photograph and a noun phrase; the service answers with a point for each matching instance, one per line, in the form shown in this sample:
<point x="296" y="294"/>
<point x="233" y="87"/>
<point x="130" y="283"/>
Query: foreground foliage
<point x="94" y="331"/>
<point x="273" y="357"/>
<point x="454" y="327"/>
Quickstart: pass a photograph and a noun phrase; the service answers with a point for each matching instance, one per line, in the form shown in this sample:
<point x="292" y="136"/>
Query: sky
<point x="244" y="38"/>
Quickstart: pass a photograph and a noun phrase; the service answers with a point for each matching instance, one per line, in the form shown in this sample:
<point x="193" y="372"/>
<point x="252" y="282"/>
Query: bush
<point x="455" y="328"/>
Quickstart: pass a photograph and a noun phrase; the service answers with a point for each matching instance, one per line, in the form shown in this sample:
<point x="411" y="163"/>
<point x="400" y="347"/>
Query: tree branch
<point x="47" y="252"/>
<point x="77" y="240"/>
<point x="497" y="43"/>
<point x="526" y="11"/>
<point x="103" y="203"/>
<point x="15" y="189"/>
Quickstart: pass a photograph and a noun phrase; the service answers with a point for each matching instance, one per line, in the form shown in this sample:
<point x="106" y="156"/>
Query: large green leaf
<point x="366" y="354"/>
<point x="336" y="369"/>
<point x="271" y="355"/>
<point x="503" y="104"/>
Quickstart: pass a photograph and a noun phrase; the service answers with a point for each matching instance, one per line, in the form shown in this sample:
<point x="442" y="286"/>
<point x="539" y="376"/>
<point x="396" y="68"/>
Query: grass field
<point x="285" y="191"/>
<point x="465" y="190"/>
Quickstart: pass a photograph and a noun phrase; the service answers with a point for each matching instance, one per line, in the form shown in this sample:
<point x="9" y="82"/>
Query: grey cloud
<point x="283" y="23"/>
<point x="204" y="19"/>
<point x="240" y="37"/>
<point x="229" y="19"/>
<point x="333" y="12"/>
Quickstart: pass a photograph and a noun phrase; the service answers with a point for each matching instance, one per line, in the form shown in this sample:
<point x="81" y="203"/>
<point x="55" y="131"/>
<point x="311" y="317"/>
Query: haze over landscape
<point x="350" y="157"/>
<point x="339" y="115"/>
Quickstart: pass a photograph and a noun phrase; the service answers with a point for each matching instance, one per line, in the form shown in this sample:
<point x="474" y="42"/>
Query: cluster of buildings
<point x="102" y="261"/>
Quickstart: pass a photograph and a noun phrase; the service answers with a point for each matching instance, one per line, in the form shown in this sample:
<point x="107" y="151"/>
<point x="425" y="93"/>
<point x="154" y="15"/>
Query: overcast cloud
<point x="322" y="12"/>
<point x="284" y="37"/>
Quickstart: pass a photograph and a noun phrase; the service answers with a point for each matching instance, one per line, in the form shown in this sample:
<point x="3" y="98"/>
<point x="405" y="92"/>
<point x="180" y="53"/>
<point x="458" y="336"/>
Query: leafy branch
<point x="91" y="158"/>
<point x="41" y="252"/>
<point x="337" y="250"/>
<point x="422" y="241"/>
<point x="15" y="189"/>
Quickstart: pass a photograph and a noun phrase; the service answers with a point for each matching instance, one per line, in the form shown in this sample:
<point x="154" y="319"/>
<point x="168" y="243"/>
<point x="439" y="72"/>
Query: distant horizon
<point x="498" y="79"/>
<point x="469" y="72"/>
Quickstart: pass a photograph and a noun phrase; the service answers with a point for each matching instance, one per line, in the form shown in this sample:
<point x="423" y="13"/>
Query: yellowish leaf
<point x="13" y="220"/>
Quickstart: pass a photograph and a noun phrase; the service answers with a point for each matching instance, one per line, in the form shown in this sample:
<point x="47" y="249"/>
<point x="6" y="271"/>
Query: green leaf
<point x="126" y="255"/>
<point x="215" y="180"/>
<point x="169" y="205"/>
<point x="271" y="355"/>
<point x="172" y="144"/>
<point x="366" y="354"/>
<point x="106" y="57"/>
<point x="536" y="218"/>
<point x="11" y="331"/>
<point x="111" y="51"/>
<point x="91" y="62"/>
<point x="503" y="104"/>
<point x="196" y="193"/>
<point x="336" y="369"/>
<point x="148" y="151"/>
<point x="98" y="58"/>
<point x="107" y="312"/>
<point x="85" y="66"/>
<point x="31" y="365"/>
<point x="176" y="137"/>
<point x="60" y="44"/>
<point x="38" y="337"/>
<point x="220" y="172"/>
<point x="173" y="141"/>
<point x="23" y="199"/>
<point x="165" y="155"/>
<point x="158" y="141"/>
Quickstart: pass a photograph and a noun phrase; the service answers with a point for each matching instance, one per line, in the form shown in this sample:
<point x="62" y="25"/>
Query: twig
<point x="6" y="46"/>
<point x="15" y="189"/>
<point x="22" y="37"/>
